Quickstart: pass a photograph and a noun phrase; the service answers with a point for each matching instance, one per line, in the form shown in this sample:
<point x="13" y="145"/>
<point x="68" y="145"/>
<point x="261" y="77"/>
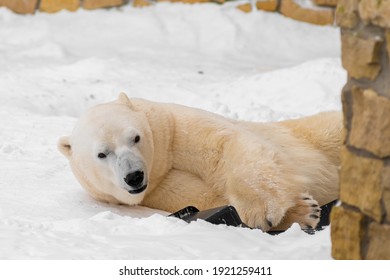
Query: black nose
<point x="135" y="179"/>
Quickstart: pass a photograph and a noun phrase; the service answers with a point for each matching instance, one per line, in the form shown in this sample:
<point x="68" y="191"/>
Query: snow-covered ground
<point x="257" y="66"/>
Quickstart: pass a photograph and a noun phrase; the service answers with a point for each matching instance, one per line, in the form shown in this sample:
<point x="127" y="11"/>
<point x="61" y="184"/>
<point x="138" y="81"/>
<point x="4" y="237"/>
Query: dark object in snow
<point x="228" y="215"/>
<point x="325" y="215"/>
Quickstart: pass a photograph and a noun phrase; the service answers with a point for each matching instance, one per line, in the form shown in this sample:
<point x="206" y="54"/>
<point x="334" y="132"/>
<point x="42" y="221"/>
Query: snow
<point x="258" y="67"/>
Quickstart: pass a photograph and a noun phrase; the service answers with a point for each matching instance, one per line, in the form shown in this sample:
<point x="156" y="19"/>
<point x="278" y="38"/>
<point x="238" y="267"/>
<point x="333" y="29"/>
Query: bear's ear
<point x="64" y="146"/>
<point x="124" y="99"/>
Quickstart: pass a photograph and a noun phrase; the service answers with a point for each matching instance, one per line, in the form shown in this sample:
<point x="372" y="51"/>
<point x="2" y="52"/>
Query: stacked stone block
<point x="361" y="224"/>
<point x="20" y="6"/>
<point x="294" y="10"/>
<point x="53" y="6"/>
<point x="318" y="12"/>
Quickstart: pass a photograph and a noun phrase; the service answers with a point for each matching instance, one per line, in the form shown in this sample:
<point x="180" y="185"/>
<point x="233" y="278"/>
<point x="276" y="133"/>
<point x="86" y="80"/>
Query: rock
<point x="330" y="3"/>
<point x="388" y="42"/>
<point x="376" y="12"/>
<point x="379" y="245"/>
<point x="347" y="232"/>
<point x="361" y="226"/>
<point x="267" y="5"/>
<point x="347" y="13"/>
<point x="386" y="192"/>
<point x="386" y="203"/>
<point x="360" y="57"/>
<point x="96" y="4"/>
<point x="246" y="8"/>
<point x="370" y="124"/>
<point x="361" y="183"/>
<point x="53" y="6"/>
<point x="20" y="6"/>
<point x="291" y="9"/>
<point x="141" y="3"/>
<point x="190" y="1"/>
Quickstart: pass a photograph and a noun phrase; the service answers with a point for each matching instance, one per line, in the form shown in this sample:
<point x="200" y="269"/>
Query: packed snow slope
<point x="256" y="67"/>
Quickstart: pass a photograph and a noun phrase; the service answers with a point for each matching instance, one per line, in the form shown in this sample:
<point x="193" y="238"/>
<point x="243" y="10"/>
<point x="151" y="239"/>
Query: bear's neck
<point x="198" y="145"/>
<point x="185" y="138"/>
<point x="162" y="126"/>
<point x="189" y="139"/>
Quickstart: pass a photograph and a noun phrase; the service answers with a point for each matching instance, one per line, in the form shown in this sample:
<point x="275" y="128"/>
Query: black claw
<point x="310" y="231"/>
<point x="314" y="205"/>
<point x="309" y="227"/>
<point x="314" y="216"/>
<point x="306" y="198"/>
<point x="269" y="223"/>
<point x="317" y="210"/>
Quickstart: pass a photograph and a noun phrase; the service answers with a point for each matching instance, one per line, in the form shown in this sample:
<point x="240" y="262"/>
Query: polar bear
<point x="168" y="156"/>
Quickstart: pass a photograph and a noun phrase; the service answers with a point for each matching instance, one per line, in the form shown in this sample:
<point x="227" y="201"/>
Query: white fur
<point x="193" y="157"/>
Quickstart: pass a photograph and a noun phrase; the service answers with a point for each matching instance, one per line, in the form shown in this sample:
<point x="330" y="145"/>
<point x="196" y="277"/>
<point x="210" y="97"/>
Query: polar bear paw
<point x="307" y="213"/>
<point x="261" y="217"/>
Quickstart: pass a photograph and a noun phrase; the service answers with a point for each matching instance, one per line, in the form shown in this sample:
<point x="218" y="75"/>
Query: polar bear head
<point x="111" y="151"/>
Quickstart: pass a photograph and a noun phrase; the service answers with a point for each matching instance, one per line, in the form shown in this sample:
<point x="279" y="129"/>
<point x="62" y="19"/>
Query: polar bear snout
<point x="135" y="180"/>
<point x="130" y="169"/>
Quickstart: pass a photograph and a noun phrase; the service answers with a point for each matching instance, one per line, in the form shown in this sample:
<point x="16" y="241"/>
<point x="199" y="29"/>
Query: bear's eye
<point x="137" y="138"/>
<point x="102" y="155"/>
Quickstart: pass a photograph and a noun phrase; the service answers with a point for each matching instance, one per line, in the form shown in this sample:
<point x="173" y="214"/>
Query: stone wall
<point x="312" y="11"/>
<point x="53" y="6"/>
<point x="361" y="224"/>
<point x="320" y="12"/>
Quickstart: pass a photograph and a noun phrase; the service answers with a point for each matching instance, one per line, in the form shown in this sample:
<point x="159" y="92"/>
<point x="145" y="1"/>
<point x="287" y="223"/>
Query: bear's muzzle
<point x="136" y="181"/>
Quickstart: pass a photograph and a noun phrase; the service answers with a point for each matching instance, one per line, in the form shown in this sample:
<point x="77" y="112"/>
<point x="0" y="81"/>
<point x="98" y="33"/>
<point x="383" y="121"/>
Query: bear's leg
<point x="180" y="189"/>
<point x="265" y="183"/>
<point x="269" y="200"/>
<point x="274" y="208"/>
